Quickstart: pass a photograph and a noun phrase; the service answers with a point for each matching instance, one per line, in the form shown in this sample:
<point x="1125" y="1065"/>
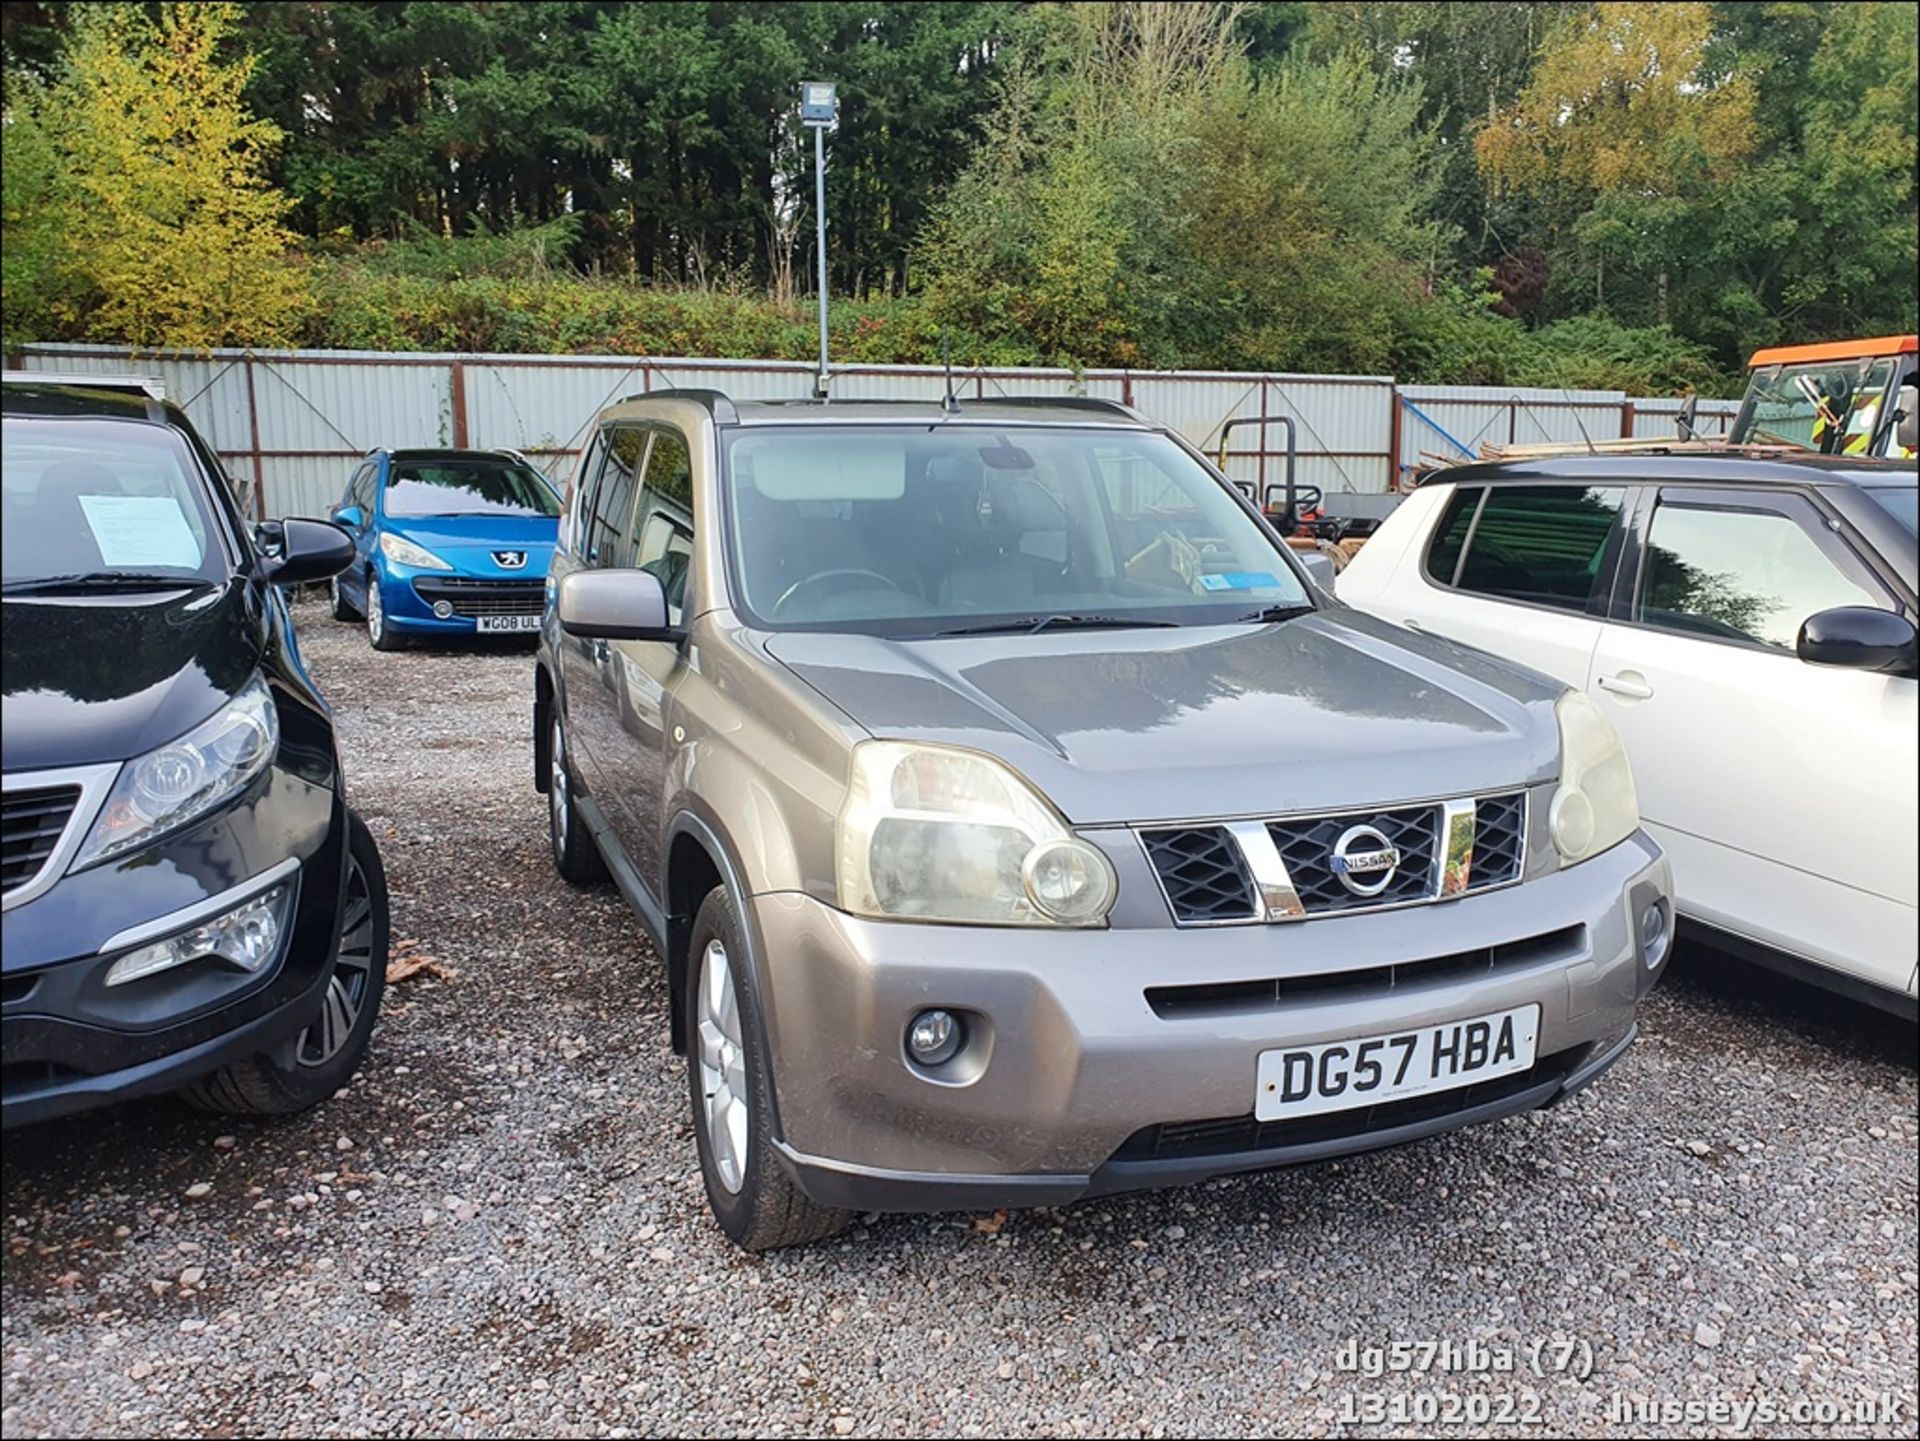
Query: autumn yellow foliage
<point x="169" y="218"/>
<point x="1619" y="96"/>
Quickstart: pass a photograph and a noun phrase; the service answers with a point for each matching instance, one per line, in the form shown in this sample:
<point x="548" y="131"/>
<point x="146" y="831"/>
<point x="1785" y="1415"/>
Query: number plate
<point x="506" y="622"/>
<point x="1310" y="1080"/>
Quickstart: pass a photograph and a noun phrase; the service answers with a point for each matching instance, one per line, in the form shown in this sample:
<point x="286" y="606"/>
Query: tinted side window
<point x="1443" y="556"/>
<point x="663" y="533"/>
<point x="607" y="539"/>
<point x="1738" y="575"/>
<point x="1541" y="544"/>
<point x="578" y="503"/>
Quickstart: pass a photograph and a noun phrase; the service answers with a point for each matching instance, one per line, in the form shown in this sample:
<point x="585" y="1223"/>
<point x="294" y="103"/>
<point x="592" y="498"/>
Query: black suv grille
<point x="33" y="823"/>
<point x="1233" y="1135"/>
<point x="1206" y="878"/>
<point x="484" y="597"/>
<point x="1499" y="840"/>
<point x="1307" y="847"/>
<point x="1203" y="872"/>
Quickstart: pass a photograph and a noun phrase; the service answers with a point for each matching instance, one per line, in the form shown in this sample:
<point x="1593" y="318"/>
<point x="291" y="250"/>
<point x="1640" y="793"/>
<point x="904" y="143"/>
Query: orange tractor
<point x="1844" y="397"/>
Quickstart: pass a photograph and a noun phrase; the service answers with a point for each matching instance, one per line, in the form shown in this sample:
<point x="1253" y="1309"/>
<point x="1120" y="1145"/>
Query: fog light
<point x="443" y="608"/>
<point x="933" y="1037"/>
<point x="1654" y="934"/>
<point x="246" y="937"/>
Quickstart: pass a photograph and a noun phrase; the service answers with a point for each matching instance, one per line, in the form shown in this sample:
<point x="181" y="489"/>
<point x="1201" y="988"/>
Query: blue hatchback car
<point x="447" y="542"/>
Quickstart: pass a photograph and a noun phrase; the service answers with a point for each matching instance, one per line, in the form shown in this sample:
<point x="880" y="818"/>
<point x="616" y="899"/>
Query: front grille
<point x="1203" y="872"/>
<point x="1499" y="840"/>
<point x="1236" y="1135"/>
<point x="484" y="597"/>
<point x="31" y="824"/>
<point x="1226" y="998"/>
<point x="1208" y="871"/>
<point x="1307" y="847"/>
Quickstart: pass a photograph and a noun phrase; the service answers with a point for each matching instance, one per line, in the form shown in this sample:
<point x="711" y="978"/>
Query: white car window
<point x="1738" y="575"/>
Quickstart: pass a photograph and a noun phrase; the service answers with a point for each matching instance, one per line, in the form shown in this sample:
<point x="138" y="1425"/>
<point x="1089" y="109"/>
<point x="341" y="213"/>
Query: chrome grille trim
<point x="1275" y="897"/>
<point x="94" y="782"/>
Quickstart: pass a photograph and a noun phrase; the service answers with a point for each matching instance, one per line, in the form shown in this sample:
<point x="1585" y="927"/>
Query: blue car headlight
<point x="401" y="551"/>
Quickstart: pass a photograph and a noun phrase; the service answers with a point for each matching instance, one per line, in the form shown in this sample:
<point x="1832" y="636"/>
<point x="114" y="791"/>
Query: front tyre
<point x="750" y="1193"/>
<point x="330" y="1049"/>
<point x="575" y="856"/>
<point x="379" y="633"/>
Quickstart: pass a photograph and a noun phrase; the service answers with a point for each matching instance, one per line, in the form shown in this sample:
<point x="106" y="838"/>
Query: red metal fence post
<point x="458" y="378"/>
<point x="1393" y="440"/>
<point x="253" y="423"/>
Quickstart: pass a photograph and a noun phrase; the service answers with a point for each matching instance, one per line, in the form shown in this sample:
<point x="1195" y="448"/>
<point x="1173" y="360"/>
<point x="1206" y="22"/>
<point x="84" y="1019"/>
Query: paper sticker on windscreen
<point x="1240" y="580"/>
<point x="136" y="532"/>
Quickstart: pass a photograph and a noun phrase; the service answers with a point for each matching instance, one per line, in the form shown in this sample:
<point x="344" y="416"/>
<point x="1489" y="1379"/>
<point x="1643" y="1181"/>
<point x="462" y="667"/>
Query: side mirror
<point x="1906" y="432"/>
<point x="1319" y="567"/>
<point x="348" y="515"/>
<point x="1860" y="637"/>
<point x="307" y="550"/>
<point x="615" y="605"/>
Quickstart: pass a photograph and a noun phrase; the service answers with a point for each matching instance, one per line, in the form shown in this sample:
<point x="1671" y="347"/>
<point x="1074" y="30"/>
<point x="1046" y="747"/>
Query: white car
<point x="1747" y="625"/>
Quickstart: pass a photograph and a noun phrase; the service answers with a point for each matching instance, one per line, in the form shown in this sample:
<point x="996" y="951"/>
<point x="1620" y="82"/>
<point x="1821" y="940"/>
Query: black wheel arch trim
<point x="691" y="822"/>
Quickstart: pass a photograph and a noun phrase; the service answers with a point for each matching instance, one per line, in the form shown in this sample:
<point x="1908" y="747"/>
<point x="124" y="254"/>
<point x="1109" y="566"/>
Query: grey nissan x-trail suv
<point x="1018" y="821"/>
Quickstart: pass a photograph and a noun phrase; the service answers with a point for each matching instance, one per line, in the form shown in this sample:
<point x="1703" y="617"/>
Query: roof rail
<point x="1064" y="402"/>
<point x="147" y="385"/>
<point x="717" y="402"/>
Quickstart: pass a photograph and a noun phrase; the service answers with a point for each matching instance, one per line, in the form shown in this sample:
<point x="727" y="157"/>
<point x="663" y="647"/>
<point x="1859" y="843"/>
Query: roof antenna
<point x="948" y="404"/>
<point x="1592" y="449"/>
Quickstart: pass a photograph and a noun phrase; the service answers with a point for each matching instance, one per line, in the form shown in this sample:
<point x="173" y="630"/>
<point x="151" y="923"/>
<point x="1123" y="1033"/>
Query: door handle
<point x="1629" y="683"/>
<point x="1411" y="624"/>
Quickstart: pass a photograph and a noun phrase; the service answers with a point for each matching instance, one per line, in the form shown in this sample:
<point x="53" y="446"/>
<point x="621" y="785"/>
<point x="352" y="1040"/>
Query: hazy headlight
<point x="167" y="787"/>
<point x="937" y="834"/>
<point x="1595" y="807"/>
<point x="402" y="551"/>
<point x="245" y="937"/>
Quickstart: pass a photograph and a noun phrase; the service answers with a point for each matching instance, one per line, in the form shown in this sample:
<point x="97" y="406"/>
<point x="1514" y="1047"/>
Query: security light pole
<point x="817" y="110"/>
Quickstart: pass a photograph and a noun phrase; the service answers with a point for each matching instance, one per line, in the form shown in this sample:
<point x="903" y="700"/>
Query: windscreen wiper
<point x="100" y="580"/>
<point x="1034" y="624"/>
<point x="1273" y="614"/>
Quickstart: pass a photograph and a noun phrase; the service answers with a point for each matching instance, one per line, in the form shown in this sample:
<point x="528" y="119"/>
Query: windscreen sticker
<point x="1240" y="580"/>
<point x="137" y="531"/>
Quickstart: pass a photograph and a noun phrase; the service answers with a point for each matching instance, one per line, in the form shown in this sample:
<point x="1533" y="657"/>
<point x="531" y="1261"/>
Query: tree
<point x="1627" y="127"/>
<point x="172" y="222"/>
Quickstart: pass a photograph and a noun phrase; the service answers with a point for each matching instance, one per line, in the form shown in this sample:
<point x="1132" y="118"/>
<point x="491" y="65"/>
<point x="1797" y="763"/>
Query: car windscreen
<point x="919" y="530"/>
<point x="1832" y="407"/>
<point x="467" y="487"/>
<point x="1902" y="503"/>
<point x="103" y="498"/>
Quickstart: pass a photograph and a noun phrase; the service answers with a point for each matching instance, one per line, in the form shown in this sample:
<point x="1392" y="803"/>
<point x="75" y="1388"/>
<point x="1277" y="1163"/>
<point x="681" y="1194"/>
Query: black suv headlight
<point x="172" y="784"/>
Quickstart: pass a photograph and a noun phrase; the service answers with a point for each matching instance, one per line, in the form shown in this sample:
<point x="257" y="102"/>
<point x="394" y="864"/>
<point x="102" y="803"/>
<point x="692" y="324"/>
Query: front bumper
<point x="68" y="1042"/>
<point x="408" y="596"/>
<point x="1078" y="1085"/>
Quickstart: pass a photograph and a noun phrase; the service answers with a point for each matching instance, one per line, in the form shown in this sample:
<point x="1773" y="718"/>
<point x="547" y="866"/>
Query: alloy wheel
<point x="352" y="974"/>
<point x="557" y="796"/>
<point x="723" y="1068"/>
<point x="376" y="613"/>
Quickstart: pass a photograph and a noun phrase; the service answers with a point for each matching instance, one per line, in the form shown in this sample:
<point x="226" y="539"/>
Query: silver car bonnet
<point x="1328" y="711"/>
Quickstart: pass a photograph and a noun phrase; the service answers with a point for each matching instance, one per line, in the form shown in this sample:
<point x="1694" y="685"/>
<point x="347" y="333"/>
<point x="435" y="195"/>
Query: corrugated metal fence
<point x="291" y="423"/>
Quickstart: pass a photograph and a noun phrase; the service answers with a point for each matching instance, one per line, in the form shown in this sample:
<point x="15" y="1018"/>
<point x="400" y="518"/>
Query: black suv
<point x="188" y="902"/>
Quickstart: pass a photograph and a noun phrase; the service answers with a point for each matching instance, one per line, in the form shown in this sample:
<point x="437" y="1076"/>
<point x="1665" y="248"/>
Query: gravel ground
<point x="498" y="1228"/>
